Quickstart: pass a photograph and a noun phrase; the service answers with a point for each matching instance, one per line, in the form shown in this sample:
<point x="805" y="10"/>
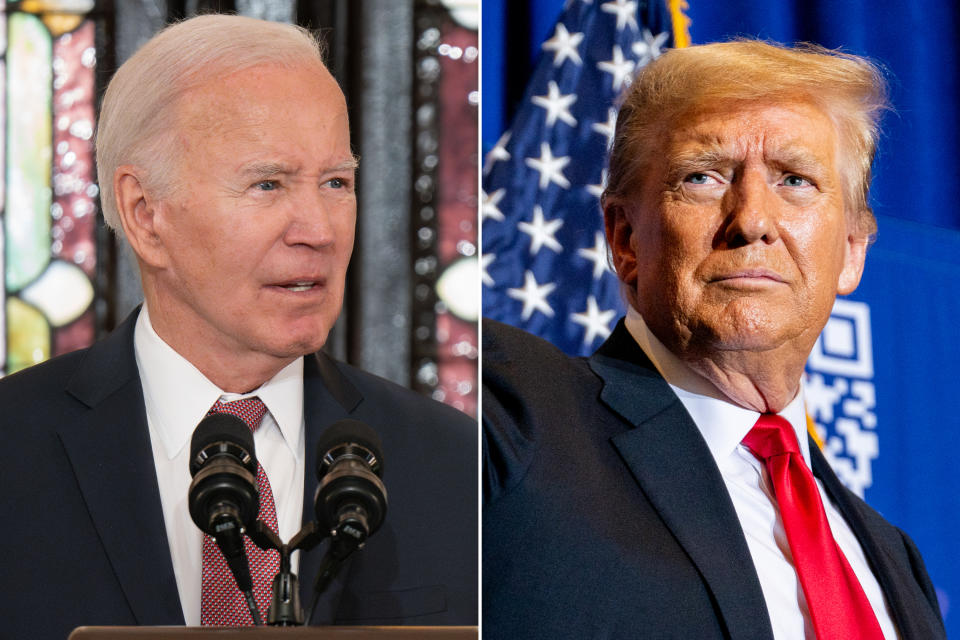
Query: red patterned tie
<point x="221" y="603"/>
<point x="838" y="606"/>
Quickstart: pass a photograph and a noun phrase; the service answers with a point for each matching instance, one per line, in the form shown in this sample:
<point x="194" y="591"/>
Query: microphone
<point x="224" y="497"/>
<point x="351" y="500"/>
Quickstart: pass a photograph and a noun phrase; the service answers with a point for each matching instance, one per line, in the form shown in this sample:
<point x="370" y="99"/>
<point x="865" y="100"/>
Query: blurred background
<point x="882" y="378"/>
<point x="409" y="69"/>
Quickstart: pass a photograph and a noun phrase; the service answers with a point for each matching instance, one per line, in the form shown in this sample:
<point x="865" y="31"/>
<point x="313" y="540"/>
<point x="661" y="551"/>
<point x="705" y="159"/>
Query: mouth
<point x="745" y="276"/>
<point x="299" y="286"/>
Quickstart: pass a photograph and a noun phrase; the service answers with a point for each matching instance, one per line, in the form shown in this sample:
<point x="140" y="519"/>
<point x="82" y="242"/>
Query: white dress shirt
<point x="723" y="425"/>
<point x="177" y="398"/>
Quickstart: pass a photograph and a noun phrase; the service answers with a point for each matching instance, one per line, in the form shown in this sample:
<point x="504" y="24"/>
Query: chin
<point x="297" y="344"/>
<point x="748" y="328"/>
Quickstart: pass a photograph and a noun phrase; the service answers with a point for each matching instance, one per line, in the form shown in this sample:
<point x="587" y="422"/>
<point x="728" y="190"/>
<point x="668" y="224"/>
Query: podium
<point x="275" y="633"/>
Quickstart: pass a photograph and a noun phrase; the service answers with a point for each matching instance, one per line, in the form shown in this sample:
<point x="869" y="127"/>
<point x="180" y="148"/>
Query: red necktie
<point x="838" y="606"/>
<point x="221" y="603"/>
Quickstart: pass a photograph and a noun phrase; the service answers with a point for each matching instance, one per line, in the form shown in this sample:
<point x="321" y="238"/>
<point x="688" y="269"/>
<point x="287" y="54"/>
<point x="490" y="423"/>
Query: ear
<point x="855" y="255"/>
<point x="138" y="212"/>
<point x="619" y="239"/>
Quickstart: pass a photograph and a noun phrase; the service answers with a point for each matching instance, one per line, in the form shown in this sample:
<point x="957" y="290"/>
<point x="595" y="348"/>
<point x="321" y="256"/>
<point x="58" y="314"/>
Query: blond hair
<point x="849" y="89"/>
<point x="139" y="106"/>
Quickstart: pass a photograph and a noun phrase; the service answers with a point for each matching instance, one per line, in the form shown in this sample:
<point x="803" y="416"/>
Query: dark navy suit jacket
<point x="605" y="515"/>
<point x="82" y="527"/>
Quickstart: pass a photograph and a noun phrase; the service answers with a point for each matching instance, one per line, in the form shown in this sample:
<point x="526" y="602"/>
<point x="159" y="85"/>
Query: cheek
<point x="820" y="250"/>
<point x="685" y="241"/>
<point x="190" y="238"/>
<point x="345" y="229"/>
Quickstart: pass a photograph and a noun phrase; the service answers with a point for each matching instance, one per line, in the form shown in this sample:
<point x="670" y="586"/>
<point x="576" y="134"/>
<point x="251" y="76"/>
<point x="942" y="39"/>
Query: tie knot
<point x="770" y="436"/>
<point x="250" y="410"/>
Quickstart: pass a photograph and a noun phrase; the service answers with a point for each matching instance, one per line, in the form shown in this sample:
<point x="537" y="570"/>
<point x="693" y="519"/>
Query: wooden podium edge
<point x="303" y="633"/>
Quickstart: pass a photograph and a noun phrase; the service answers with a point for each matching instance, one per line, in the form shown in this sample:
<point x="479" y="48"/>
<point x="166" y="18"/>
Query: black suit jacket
<point x="82" y="527"/>
<point x="605" y="515"/>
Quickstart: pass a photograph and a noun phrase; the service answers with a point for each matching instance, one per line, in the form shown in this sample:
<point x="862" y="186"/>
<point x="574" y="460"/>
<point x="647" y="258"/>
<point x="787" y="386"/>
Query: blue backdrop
<point x="882" y="377"/>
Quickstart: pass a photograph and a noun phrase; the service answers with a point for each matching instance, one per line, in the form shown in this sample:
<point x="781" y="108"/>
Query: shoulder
<point x="55" y="372"/>
<point x="40" y="389"/>
<point x="538" y="403"/>
<point x="76" y="380"/>
<point x="36" y="408"/>
<point x="386" y="400"/>
<point x="411" y="426"/>
<point x="517" y="363"/>
<point x="504" y="344"/>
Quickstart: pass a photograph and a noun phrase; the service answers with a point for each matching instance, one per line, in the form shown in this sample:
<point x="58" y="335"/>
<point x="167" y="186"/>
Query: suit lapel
<point x="109" y="450"/>
<point x="328" y="397"/>
<point x="673" y="466"/>
<point x="904" y="600"/>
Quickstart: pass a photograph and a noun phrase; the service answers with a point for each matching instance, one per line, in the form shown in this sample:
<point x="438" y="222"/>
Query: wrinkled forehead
<point x="791" y="133"/>
<point x="256" y="92"/>
<point x="264" y="113"/>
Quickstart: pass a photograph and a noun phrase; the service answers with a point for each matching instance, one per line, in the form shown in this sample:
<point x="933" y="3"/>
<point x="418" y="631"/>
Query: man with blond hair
<point x="225" y="163"/>
<point x="662" y="488"/>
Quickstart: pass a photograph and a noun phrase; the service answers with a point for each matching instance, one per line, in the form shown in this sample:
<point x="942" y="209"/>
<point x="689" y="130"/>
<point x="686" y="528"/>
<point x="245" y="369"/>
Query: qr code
<point x="841" y="396"/>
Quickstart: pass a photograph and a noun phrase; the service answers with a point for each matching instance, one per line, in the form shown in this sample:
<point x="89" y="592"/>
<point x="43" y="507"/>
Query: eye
<point x="701" y="178"/>
<point x="795" y="181"/>
<point x="339" y="183"/>
<point x="267" y="185"/>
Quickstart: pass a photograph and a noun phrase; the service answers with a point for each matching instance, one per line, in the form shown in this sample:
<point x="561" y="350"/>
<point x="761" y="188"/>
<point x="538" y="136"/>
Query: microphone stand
<point x="285" y="609"/>
<point x="348" y="536"/>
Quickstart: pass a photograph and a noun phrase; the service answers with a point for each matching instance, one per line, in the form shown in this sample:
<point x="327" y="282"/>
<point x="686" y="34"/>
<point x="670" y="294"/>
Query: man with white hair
<point x="224" y="158"/>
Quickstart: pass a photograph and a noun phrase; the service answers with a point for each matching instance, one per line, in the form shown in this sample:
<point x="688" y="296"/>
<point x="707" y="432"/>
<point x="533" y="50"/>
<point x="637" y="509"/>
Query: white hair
<point x="139" y="106"/>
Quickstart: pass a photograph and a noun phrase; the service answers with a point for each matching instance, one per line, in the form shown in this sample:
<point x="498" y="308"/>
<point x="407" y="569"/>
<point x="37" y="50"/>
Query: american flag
<point x="544" y="258"/>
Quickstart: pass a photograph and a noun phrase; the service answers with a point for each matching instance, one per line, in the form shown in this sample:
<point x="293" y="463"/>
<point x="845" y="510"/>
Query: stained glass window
<point x="47" y="189"/>
<point x="446" y="288"/>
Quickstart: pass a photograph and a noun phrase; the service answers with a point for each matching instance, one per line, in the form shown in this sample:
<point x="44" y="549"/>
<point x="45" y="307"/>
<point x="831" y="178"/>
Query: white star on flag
<point x="491" y="204"/>
<point x="626" y="11"/>
<point x="541" y="232"/>
<point x="596" y="322"/>
<point x="618" y="67"/>
<point x="564" y="46"/>
<point x="597" y="254"/>
<point x="648" y="49"/>
<point x="587" y="61"/>
<point x="533" y="296"/>
<point x="607" y="128"/>
<point x="499" y="152"/>
<point x="556" y="105"/>
<point x="486" y="260"/>
<point x="596" y="190"/>
<point x="550" y="168"/>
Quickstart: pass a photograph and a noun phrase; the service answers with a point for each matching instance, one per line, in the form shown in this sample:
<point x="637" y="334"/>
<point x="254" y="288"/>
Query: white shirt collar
<point x="178" y="396"/>
<point x="722" y="423"/>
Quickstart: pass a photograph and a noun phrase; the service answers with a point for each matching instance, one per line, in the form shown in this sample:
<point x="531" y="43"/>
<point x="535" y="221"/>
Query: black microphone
<point x="224" y="497"/>
<point x="351" y="500"/>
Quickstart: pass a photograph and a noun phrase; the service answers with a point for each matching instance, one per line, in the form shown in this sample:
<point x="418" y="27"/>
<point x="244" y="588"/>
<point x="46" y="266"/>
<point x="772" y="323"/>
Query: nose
<point x="752" y="211"/>
<point x="310" y="221"/>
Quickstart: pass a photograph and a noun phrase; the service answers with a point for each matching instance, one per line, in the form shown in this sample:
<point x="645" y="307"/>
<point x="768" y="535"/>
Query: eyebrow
<point x="794" y="158"/>
<point x="257" y="170"/>
<point x="701" y="157"/>
<point x="348" y="165"/>
<point x="789" y="156"/>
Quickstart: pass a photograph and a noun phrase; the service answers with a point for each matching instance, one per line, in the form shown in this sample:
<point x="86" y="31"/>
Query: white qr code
<point x="841" y="397"/>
